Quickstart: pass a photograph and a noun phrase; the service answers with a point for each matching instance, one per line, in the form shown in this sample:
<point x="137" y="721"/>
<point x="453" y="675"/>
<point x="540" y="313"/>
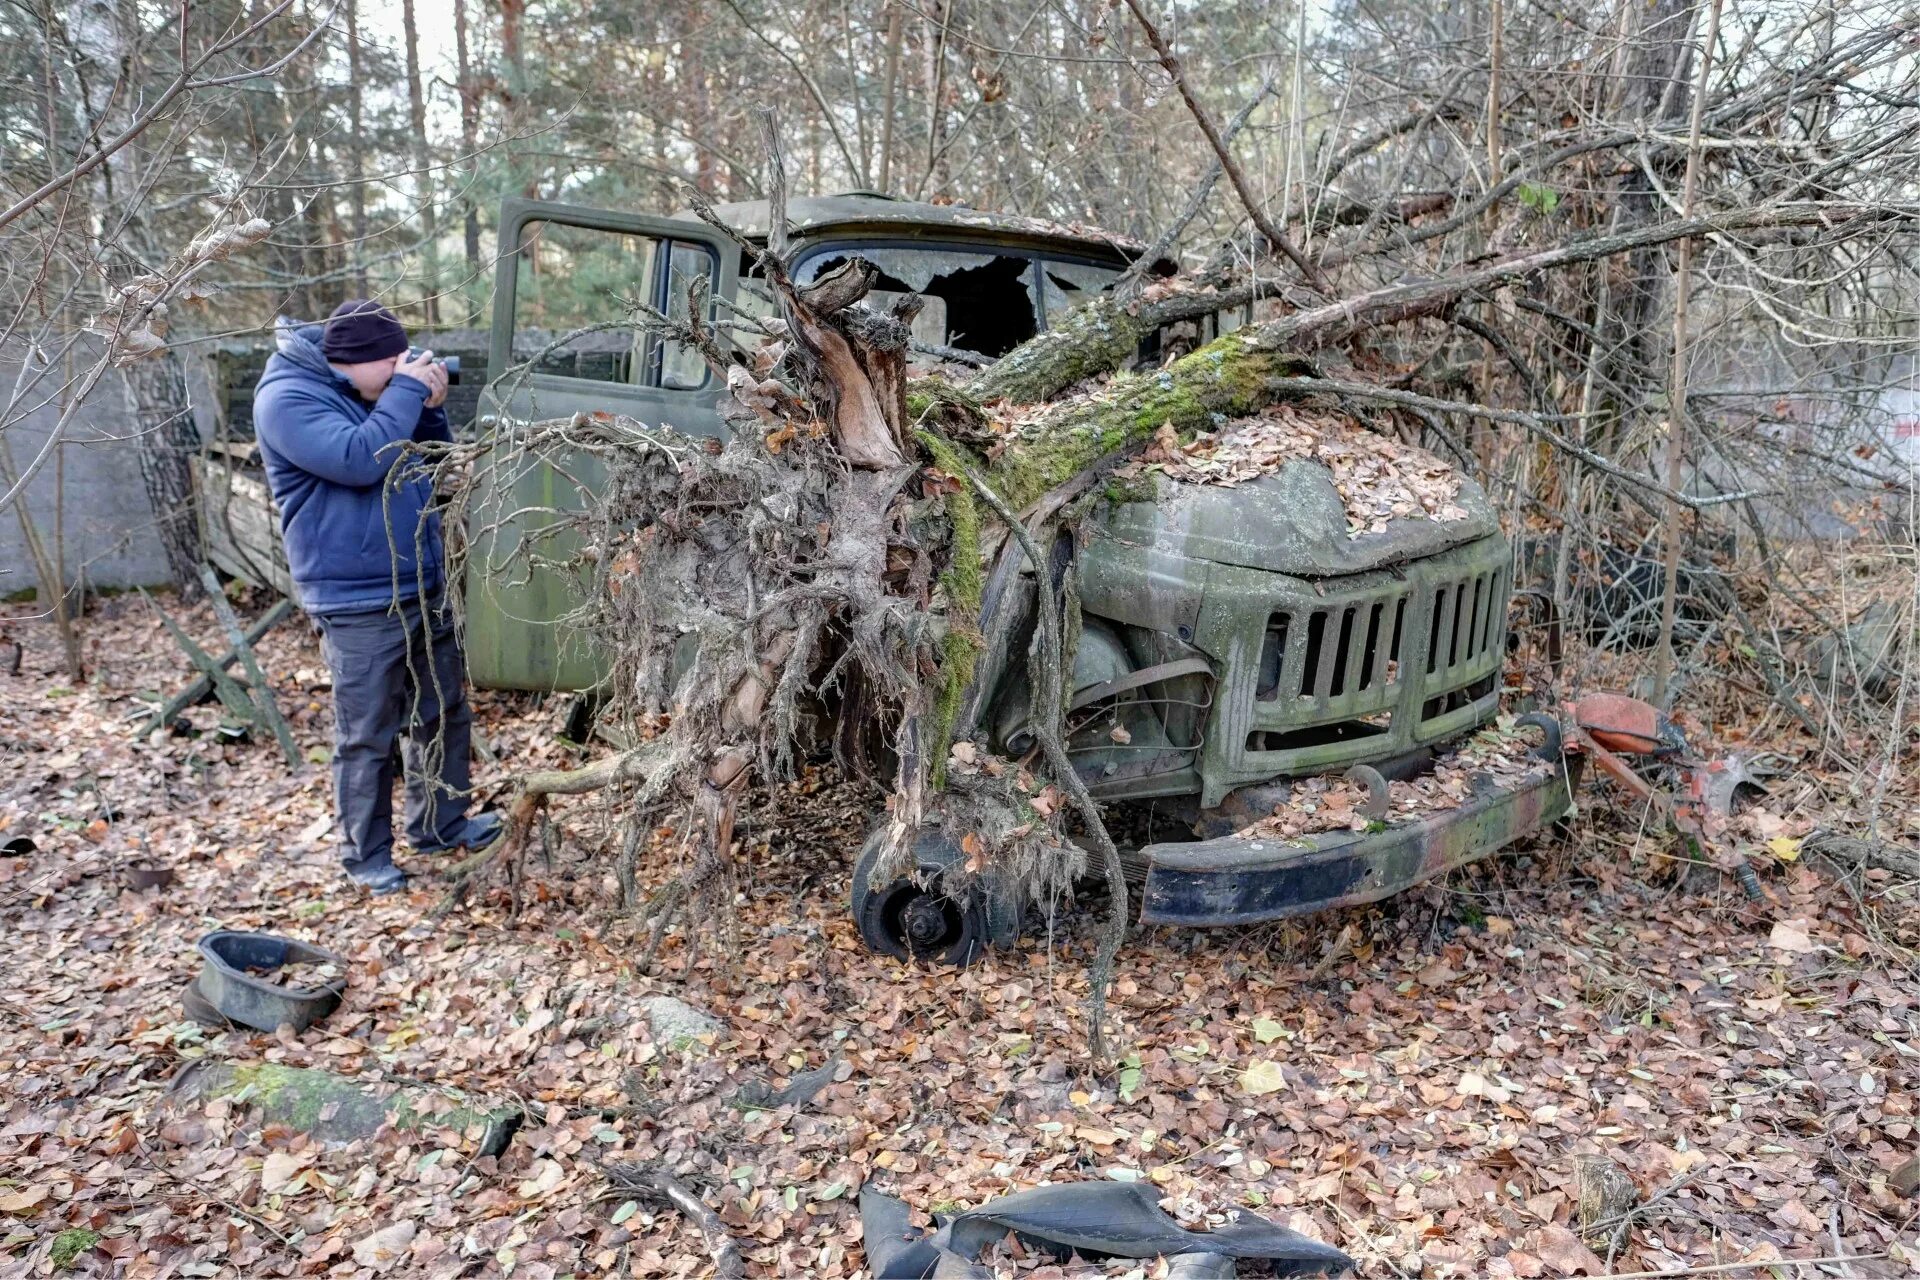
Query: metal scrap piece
<point x="1097" y="1219"/>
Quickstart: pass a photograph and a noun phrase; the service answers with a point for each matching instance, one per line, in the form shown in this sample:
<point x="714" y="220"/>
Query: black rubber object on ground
<point x="236" y="994"/>
<point x="197" y="1008"/>
<point x="1094" y="1219"/>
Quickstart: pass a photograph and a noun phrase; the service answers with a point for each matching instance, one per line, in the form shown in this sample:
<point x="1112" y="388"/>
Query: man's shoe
<point x="380" y="881"/>
<point x="476" y="832"/>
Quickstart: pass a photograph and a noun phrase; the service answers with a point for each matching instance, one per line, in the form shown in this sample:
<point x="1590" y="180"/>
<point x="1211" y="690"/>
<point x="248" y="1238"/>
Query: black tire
<point x="915" y="918"/>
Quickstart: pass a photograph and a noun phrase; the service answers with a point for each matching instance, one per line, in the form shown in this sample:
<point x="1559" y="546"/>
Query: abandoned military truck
<point x="1249" y="639"/>
<point x="1234" y="639"/>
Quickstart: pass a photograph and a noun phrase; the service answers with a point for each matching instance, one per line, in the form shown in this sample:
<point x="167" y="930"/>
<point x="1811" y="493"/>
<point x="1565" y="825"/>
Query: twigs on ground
<point x="663" y="1188"/>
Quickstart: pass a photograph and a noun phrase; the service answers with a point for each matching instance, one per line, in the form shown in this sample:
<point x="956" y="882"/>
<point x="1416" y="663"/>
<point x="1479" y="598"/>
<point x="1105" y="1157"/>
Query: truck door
<point x="563" y="342"/>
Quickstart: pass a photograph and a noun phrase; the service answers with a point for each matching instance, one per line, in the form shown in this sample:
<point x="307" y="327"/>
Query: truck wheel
<point x="915" y="918"/>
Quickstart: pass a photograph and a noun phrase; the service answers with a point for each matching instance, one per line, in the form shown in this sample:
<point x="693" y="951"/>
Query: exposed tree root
<point x="1051" y="660"/>
<point x="525" y="808"/>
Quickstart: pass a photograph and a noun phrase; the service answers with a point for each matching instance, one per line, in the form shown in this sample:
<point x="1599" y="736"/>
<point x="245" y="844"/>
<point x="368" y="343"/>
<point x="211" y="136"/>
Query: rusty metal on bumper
<point x="1235" y="880"/>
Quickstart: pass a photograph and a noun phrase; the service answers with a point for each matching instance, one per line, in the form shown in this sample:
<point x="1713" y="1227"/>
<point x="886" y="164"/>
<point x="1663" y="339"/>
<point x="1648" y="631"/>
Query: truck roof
<point x="874" y="212"/>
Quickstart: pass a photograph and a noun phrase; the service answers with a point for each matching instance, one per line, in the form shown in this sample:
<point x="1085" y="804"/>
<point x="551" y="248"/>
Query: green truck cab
<point x="988" y="281"/>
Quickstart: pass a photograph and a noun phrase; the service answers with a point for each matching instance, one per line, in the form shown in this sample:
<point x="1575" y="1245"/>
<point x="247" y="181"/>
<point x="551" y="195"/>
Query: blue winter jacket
<point x="352" y="539"/>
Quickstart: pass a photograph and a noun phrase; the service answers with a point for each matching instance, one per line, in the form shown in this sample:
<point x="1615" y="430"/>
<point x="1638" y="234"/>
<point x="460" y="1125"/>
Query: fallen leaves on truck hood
<point x="1377" y="477"/>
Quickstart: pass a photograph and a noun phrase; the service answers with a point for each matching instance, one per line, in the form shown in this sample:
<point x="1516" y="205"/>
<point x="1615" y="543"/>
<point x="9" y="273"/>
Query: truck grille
<point x="1331" y="671"/>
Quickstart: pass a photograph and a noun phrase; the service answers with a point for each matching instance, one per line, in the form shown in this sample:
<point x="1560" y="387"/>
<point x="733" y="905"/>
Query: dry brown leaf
<point x="1791" y="936"/>
<point x="384" y="1248"/>
<point x="1563" y="1251"/>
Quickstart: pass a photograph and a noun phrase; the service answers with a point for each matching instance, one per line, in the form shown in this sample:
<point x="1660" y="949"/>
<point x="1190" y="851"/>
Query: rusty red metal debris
<point x="1626" y="725"/>
<point x="1609" y="726"/>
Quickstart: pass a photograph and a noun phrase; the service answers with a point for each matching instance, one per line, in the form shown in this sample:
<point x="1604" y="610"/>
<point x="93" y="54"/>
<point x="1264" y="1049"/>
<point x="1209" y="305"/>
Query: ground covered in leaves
<point x="1417" y="1083"/>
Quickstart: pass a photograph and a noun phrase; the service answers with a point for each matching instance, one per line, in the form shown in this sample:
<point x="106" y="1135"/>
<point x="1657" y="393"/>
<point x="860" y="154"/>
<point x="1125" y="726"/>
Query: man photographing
<point x="333" y="411"/>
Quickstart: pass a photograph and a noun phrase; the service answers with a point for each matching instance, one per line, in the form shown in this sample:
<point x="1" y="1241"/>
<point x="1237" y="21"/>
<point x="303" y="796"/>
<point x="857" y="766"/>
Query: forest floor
<point x="1415" y="1083"/>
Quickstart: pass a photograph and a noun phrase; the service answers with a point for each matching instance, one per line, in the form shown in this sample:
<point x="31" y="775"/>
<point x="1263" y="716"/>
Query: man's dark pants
<point x="399" y="677"/>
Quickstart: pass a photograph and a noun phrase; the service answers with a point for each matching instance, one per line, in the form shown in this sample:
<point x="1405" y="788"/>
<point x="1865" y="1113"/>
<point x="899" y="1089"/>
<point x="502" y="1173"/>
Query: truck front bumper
<point x="1241" y="880"/>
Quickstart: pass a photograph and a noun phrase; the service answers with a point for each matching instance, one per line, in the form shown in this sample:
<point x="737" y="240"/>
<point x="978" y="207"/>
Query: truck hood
<point x="1289" y="521"/>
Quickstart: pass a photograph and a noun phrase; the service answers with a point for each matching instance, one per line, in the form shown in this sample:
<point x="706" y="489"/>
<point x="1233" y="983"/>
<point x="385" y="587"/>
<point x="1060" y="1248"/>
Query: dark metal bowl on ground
<point x="144" y="876"/>
<point x="227" y="984"/>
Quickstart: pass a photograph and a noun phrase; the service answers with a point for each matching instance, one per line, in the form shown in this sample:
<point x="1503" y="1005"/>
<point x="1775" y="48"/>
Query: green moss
<point x="936" y="404"/>
<point x="1133" y="489"/>
<point x="70" y="1244"/>
<point x="963" y="581"/>
<point x="295" y="1096"/>
<point x="311" y="1100"/>
<point x="1224" y="379"/>
<point x="960" y="653"/>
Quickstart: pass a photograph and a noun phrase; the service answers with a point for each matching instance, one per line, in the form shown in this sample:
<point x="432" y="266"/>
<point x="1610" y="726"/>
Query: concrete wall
<point x="108" y="526"/>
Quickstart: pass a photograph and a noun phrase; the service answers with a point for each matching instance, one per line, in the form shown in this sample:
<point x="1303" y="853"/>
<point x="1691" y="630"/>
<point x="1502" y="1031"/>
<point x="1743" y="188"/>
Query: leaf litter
<point x="1497" y="756"/>
<point x="1378" y="478"/>
<point x="298" y="975"/>
<point x="1418" y="1096"/>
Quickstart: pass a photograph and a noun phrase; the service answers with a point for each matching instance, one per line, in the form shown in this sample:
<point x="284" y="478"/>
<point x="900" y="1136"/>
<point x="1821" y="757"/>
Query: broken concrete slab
<point x="675" y="1024"/>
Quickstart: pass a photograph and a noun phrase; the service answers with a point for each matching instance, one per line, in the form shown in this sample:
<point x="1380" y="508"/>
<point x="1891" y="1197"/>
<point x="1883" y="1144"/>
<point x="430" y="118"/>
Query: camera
<point x="450" y="363"/>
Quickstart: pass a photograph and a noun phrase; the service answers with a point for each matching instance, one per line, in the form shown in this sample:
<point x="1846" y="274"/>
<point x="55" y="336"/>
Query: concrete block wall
<point x="108" y="523"/>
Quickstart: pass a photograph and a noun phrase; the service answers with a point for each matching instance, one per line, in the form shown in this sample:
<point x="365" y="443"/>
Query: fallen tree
<point x="835" y="572"/>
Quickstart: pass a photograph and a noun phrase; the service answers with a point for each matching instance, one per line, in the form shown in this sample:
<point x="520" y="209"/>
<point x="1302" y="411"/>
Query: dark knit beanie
<point x="360" y="330"/>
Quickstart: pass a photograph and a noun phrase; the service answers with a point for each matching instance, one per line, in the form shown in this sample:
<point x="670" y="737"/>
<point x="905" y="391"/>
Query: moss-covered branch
<point x="1224" y="379"/>
<point x="963" y="583"/>
<point x="1097" y="338"/>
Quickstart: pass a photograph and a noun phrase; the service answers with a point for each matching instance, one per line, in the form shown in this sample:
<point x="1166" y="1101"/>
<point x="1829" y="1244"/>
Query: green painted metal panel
<point x="517" y="634"/>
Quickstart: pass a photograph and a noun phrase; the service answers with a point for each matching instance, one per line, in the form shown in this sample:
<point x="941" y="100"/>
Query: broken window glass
<point x="1069" y="284"/>
<point x="974" y="300"/>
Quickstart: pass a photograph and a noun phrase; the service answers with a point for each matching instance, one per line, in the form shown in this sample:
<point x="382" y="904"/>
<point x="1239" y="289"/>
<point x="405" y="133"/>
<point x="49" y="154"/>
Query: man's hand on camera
<point x="427" y="371"/>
